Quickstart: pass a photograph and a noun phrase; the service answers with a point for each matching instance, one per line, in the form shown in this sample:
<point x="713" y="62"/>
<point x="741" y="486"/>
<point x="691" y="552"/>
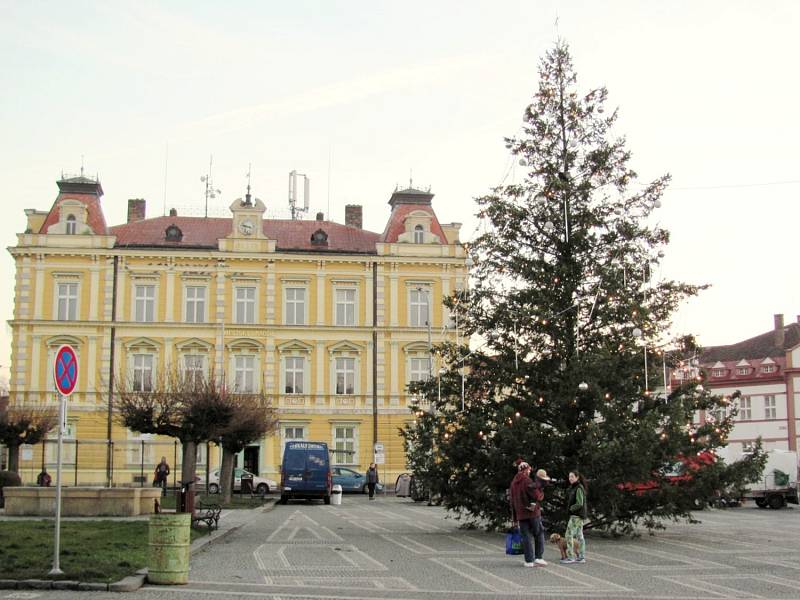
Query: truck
<point x="778" y="484"/>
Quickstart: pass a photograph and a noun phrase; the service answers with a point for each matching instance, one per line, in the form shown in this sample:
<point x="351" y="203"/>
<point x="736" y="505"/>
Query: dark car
<point x="352" y="481"/>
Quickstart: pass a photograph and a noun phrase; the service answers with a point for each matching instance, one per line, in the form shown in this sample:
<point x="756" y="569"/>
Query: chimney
<point x="320" y="216"/>
<point x="136" y="207"/>
<point x="779" y="334"/>
<point x="353" y="216"/>
<point x="173" y="212"/>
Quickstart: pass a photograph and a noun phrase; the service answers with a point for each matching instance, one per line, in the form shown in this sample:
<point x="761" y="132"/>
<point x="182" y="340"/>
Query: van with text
<point x="306" y="471"/>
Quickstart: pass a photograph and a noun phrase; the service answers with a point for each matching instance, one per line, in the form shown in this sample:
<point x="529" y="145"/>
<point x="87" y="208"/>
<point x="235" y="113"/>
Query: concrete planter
<point x="81" y="501"/>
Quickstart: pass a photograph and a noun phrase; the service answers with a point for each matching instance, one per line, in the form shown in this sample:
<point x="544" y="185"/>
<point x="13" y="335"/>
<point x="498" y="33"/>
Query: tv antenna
<point x="293" y="208"/>
<point x="211" y="191"/>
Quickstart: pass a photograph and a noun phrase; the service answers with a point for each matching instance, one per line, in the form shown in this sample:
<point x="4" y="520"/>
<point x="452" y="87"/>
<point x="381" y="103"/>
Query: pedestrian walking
<point x="578" y="512"/>
<point x="161" y="475"/>
<point x="372" y="480"/>
<point x="524" y="498"/>
<point x="539" y="483"/>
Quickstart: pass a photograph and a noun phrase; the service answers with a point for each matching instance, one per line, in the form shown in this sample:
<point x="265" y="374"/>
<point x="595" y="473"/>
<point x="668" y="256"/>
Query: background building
<point x="330" y="320"/>
<point x="766" y="370"/>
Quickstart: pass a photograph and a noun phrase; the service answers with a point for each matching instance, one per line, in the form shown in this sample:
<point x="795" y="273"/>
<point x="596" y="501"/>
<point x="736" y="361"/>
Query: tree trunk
<point x="13" y="459"/>
<point x="188" y="461"/>
<point x="226" y="474"/>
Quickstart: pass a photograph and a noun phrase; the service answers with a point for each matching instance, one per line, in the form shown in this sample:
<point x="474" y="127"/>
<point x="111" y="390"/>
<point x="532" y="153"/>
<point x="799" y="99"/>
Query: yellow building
<point x="330" y="320"/>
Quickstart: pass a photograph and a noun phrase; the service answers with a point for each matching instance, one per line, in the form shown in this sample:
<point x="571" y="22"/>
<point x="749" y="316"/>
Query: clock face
<point x="247" y="227"/>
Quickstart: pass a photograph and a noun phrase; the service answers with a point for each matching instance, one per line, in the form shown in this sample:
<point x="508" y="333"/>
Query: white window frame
<point x="770" y="406"/>
<point x="241" y="370"/>
<point x="294" y="426"/>
<point x="769" y="369"/>
<point x="348" y="316"/>
<point x="345" y="442"/>
<point x="71" y="227"/>
<point x="144" y="305"/>
<point x="718" y="372"/>
<point x="194" y="306"/>
<point x="419" y="234"/>
<point x="134" y="451"/>
<point x="745" y="408"/>
<point x="195" y="365"/>
<point x="295" y="310"/>
<point x="139" y="364"/>
<point x="419" y="306"/>
<point x="247" y="305"/>
<point x="341" y="368"/>
<point x="67" y="301"/>
<point x="742" y="370"/>
<point x="294" y="375"/>
<point x="419" y="368"/>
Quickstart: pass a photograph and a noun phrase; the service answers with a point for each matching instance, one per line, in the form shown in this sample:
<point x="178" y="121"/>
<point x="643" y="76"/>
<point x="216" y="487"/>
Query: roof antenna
<point x="247" y="198"/>
<point x="211" y="191"/>
<point x="295" y="210"/>
<point x="81" y="165"/>
<point x="410" y="179"/>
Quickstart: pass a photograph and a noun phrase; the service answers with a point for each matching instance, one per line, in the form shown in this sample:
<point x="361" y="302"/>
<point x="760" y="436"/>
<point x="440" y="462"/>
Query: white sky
<point x="707" y="91"/>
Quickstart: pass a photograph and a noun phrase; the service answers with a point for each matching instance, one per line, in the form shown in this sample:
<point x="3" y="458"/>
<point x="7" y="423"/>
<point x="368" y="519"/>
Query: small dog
<point x="562" y="545"/>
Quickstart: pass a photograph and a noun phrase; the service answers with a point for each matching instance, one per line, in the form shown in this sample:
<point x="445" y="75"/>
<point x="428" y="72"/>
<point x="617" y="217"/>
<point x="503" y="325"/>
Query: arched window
<point x="71" y="225"/>
<point x="419" y="234"/>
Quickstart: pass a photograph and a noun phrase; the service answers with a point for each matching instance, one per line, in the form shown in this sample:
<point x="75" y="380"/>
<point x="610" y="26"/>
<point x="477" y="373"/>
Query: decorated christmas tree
<point x="570" y="332"/>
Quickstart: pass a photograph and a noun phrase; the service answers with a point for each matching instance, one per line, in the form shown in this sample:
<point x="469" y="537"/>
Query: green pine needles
<point x="566" y="310"/>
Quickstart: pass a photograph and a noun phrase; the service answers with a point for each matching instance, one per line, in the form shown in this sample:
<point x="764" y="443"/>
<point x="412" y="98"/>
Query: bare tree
<point x="180" y="405"/>
<point x="253" y="418"/>
<point x="20" y="426"/>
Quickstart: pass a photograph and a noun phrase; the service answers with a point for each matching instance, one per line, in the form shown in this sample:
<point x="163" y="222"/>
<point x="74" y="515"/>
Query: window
<point x="742" y="370"/>
<point x="344" y="445"/>
<point x="770" y="411"/>
<point x="745" y="408"/>
<point x="419" y="234"/>
<point x="748" y="447"/>
<point x="294" y="373"/>
<point x="419" y="369"/>
<point x="345" y="375"/>
<point x="718" y="373"/>
<point x="67" y="449"/>
<point x="195" y="304"/>
<point x="245" y="305"/>
<point x="293" y="432"/>
<point x="345" y="306"/>
<point x="140" y="450"/>
<point x="769" y="369"/>
<point x="71" y="225"/>
<point x="244" y="368"/>
<point x="143" y="372"/>
<point x="295" y="306"/>
<point x="418" y="306"/>
<point x="67" y="301"/>
<point x="718" y="414"/>
<point x="194" y="367"/>
<point x="144" y="303"/>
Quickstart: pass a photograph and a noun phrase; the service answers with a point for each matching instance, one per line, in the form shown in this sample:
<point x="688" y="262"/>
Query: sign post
<point x="65" y="375"/>
<point x="380" y="459"/>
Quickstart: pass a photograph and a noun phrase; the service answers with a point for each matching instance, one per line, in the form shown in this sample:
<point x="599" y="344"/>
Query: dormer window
<point x="769" y="369"/>
<point x="419" y="234"/>
<point x="718" y="373"/>
<point x="742" y="370"/>
<point x="71" y="225"/>
<point x="319" y="238"/>
<point x="173" y="234"/>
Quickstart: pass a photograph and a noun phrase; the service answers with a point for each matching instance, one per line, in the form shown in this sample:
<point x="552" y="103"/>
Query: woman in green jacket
<point x="577" y="514"/>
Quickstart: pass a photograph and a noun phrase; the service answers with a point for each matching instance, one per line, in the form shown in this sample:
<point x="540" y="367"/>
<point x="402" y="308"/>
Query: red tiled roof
<point x="85" y="191"/>
<point x="757" y="347"/>
<point x="395" y="226"/>
<point x="200" y="232"/>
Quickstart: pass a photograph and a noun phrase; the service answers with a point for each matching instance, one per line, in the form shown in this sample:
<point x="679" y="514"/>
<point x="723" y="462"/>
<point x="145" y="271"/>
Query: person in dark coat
<point x="372" y="480"/>
<point x="524" y="498"/>
<point x="578" y="512"/>
<point x="161" y="475"/>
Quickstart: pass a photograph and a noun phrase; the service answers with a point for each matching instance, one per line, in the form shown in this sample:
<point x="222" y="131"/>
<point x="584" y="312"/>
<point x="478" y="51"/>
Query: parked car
<point x="352" y="481"/>
<point x="260" y="484"/>
<point x="681" y="472"/>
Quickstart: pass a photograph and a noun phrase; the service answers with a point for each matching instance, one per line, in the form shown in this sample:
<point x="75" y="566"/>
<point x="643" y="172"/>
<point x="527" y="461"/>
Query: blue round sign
<point x="65" y="370"/>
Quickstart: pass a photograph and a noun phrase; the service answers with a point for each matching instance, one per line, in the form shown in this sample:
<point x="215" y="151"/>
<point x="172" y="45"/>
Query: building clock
<point x="247" y="227"/>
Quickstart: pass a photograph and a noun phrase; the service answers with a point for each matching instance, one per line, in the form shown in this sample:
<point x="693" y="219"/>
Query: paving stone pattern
<point x="393" y="548"/>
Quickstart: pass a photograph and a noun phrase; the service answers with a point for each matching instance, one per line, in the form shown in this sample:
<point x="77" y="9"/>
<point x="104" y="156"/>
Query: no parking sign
<point x="65" y="370"/>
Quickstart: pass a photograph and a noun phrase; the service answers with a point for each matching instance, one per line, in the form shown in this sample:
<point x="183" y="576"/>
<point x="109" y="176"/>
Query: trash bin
<point x="336" y="494"/>
<point x="186" y="499"/>
<point x="402" y="488"/>
<point x="169" y="537"/>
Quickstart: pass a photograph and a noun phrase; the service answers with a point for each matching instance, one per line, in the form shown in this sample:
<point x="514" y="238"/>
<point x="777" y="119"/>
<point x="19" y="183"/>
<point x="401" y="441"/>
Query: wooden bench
<point x="208" y="514"/>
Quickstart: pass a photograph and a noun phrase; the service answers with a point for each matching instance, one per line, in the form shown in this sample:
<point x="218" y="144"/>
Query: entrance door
<point x="251" y="459"/>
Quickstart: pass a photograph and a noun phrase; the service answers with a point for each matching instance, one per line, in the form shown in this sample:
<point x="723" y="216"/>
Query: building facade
<point x="765" y="370"/>
<point x="331" y="321"/>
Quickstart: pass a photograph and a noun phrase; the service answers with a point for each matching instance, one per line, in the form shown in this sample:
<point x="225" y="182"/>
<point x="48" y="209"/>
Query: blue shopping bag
<point x="514" y="541"/>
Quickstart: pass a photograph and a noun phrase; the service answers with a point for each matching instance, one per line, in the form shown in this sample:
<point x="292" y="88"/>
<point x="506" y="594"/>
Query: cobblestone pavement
<point x="393" y="548"/>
